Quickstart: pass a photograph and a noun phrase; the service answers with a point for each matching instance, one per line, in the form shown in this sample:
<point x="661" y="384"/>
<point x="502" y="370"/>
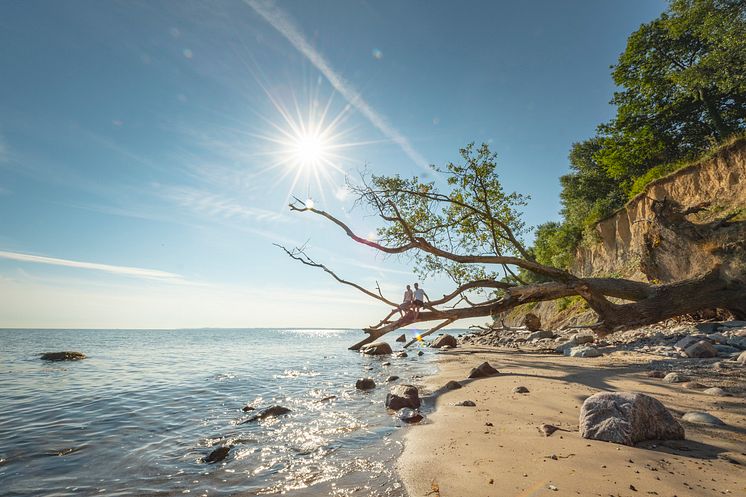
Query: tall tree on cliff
<point x="684" y="87"/>
<point x="471" y="230"/>
<point x="682" y="80"/>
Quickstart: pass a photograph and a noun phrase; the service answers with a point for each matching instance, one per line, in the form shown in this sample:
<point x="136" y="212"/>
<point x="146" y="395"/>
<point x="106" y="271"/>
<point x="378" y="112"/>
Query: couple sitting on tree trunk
<point x="413" y="301"/>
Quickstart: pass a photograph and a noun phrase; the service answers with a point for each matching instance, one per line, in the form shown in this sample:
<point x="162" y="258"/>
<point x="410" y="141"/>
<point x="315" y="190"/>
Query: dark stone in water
<point x="401" y="338"/>
<point x="365" y="384"/>
<point x="248" y="408"/>
<point x="326" y="399"/>
<point x="218" y="454"/>
<point x="391" y="378"/>
<point x="403" y="396"/>
<point x="410" y="415"/>
<point x="269" y="412"/>
<point x="420" y="353"/>
<point x="62" y="356"/>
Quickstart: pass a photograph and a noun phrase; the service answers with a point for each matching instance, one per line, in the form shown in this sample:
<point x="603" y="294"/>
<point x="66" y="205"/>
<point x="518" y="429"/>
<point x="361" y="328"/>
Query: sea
<point x="138" y="416"/>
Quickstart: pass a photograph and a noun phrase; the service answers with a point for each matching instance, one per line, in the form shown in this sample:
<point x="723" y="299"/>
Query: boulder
<point x="376" y="348"/>
<point x="62" y="356"/>
<point x="700" y="350"/>
<point x="444" y="340"/>
<point x="688" y="341"/>
<point x="218" y="454"/>
<point x="270" y="412"/>
<point x="392" y="378"/>
<point x="365" y="384"/>
<point x="401" y="338"/>
<point x="532" y="322"/>
<point x="401" y="354"/>
<point x="482" y="371"/>
<point x="538" y="335"/>
<point x="702" y="418"/>
<point x="627" y="418"/>
<point x="466" y="403"/>
<point x="409" y="415"/>
<point x="520" y="389"/>
<point x="401" y="396"/>
<point x="452" y="385"/>
<point x="584" y="351"/>
<point x="564" y="348"/>
<point x="248" y="408"/>
<point x="675" y="378"/>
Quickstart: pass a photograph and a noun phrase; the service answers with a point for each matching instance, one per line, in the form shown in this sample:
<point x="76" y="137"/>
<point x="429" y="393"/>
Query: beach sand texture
<point x="457" y="454"/>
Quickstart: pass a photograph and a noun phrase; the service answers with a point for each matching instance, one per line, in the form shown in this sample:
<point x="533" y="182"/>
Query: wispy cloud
<point x="282" y="23"/>
<point x="107" y="268"/>
<point x="216" y="205"/>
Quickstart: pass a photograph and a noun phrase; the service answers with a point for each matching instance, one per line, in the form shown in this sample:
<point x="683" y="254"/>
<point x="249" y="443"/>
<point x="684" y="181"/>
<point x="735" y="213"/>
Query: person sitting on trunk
<point x="419" y="299"/>
<point x="406" y="305"/>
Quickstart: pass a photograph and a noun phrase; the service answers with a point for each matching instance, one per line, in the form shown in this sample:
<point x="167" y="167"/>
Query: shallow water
<point x="139" y="414"/>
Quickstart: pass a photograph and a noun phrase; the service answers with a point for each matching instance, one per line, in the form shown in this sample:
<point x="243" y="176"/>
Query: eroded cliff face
<point x="680" y="227"/>
<point x="631" y="245"/>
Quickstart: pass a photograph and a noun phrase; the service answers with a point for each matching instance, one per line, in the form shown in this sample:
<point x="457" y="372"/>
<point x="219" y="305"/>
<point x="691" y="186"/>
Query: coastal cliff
<point x="711" y="193"/>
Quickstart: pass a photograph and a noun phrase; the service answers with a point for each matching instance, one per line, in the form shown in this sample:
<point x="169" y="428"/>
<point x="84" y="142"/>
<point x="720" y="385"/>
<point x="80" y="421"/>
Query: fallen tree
<point x="472" y="233"/>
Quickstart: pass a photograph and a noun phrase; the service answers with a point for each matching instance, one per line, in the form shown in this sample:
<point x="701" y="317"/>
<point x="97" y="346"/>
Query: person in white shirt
<point x="406" y="305"/>
<point x="419" y="299"/>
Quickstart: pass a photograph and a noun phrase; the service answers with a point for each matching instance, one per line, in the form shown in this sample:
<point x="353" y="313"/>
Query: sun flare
<point x="310" y="149"/>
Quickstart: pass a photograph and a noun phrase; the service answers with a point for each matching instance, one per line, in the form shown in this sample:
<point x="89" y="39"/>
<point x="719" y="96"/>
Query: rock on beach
<point x="443" y="341"/>
<point x="376" y="348"/>
<point x="401" y="396"/>
<point x="627" y="418"/>
<point x="483" y="371"/>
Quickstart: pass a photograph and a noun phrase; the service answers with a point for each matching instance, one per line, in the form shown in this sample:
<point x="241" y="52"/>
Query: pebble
<point x="466" y="403"/>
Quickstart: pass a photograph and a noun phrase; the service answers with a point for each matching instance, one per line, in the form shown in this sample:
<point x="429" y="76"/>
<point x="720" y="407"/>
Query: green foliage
<point x="682" y="80"/>
<point x="473" y="215"/>
<point x="554" y="245"/>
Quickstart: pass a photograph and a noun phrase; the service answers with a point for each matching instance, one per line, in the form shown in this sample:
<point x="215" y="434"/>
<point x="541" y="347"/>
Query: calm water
<point x="140" y="413"/>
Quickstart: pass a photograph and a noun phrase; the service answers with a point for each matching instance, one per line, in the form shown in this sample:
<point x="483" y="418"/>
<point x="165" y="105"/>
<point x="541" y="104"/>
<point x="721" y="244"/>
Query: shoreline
<point x="456" y="453"/>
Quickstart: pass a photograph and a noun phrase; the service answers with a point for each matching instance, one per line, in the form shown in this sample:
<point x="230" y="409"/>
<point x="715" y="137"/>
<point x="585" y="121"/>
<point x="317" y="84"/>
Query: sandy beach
<point x="497" y="449"/>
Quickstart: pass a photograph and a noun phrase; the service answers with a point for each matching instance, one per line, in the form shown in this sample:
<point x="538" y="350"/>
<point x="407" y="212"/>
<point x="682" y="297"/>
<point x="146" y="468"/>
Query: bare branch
<point x="299" y="255"/>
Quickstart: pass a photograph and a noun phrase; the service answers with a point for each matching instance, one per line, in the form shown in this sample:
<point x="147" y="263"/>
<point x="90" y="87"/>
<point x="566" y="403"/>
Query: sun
<point x="306" y="141"/>
<point x="310" y="149"/>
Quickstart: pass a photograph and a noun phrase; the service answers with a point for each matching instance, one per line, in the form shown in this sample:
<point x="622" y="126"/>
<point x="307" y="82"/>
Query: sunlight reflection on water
<point x="139" y="415"/>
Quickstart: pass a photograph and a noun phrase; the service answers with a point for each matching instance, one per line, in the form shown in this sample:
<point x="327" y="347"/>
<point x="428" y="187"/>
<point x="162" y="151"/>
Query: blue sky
<point x="146" y="148"/>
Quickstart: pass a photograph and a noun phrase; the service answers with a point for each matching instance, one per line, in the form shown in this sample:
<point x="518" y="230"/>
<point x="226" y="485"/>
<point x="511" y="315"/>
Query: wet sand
<point x="456" y="453"/>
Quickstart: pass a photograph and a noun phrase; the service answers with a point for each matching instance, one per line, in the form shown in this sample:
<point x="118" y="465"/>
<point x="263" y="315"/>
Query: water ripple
<point x="140" y="414"/>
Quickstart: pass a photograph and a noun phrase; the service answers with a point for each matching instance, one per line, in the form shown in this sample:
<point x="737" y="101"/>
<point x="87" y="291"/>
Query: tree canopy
<point x="682" y="80"/>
